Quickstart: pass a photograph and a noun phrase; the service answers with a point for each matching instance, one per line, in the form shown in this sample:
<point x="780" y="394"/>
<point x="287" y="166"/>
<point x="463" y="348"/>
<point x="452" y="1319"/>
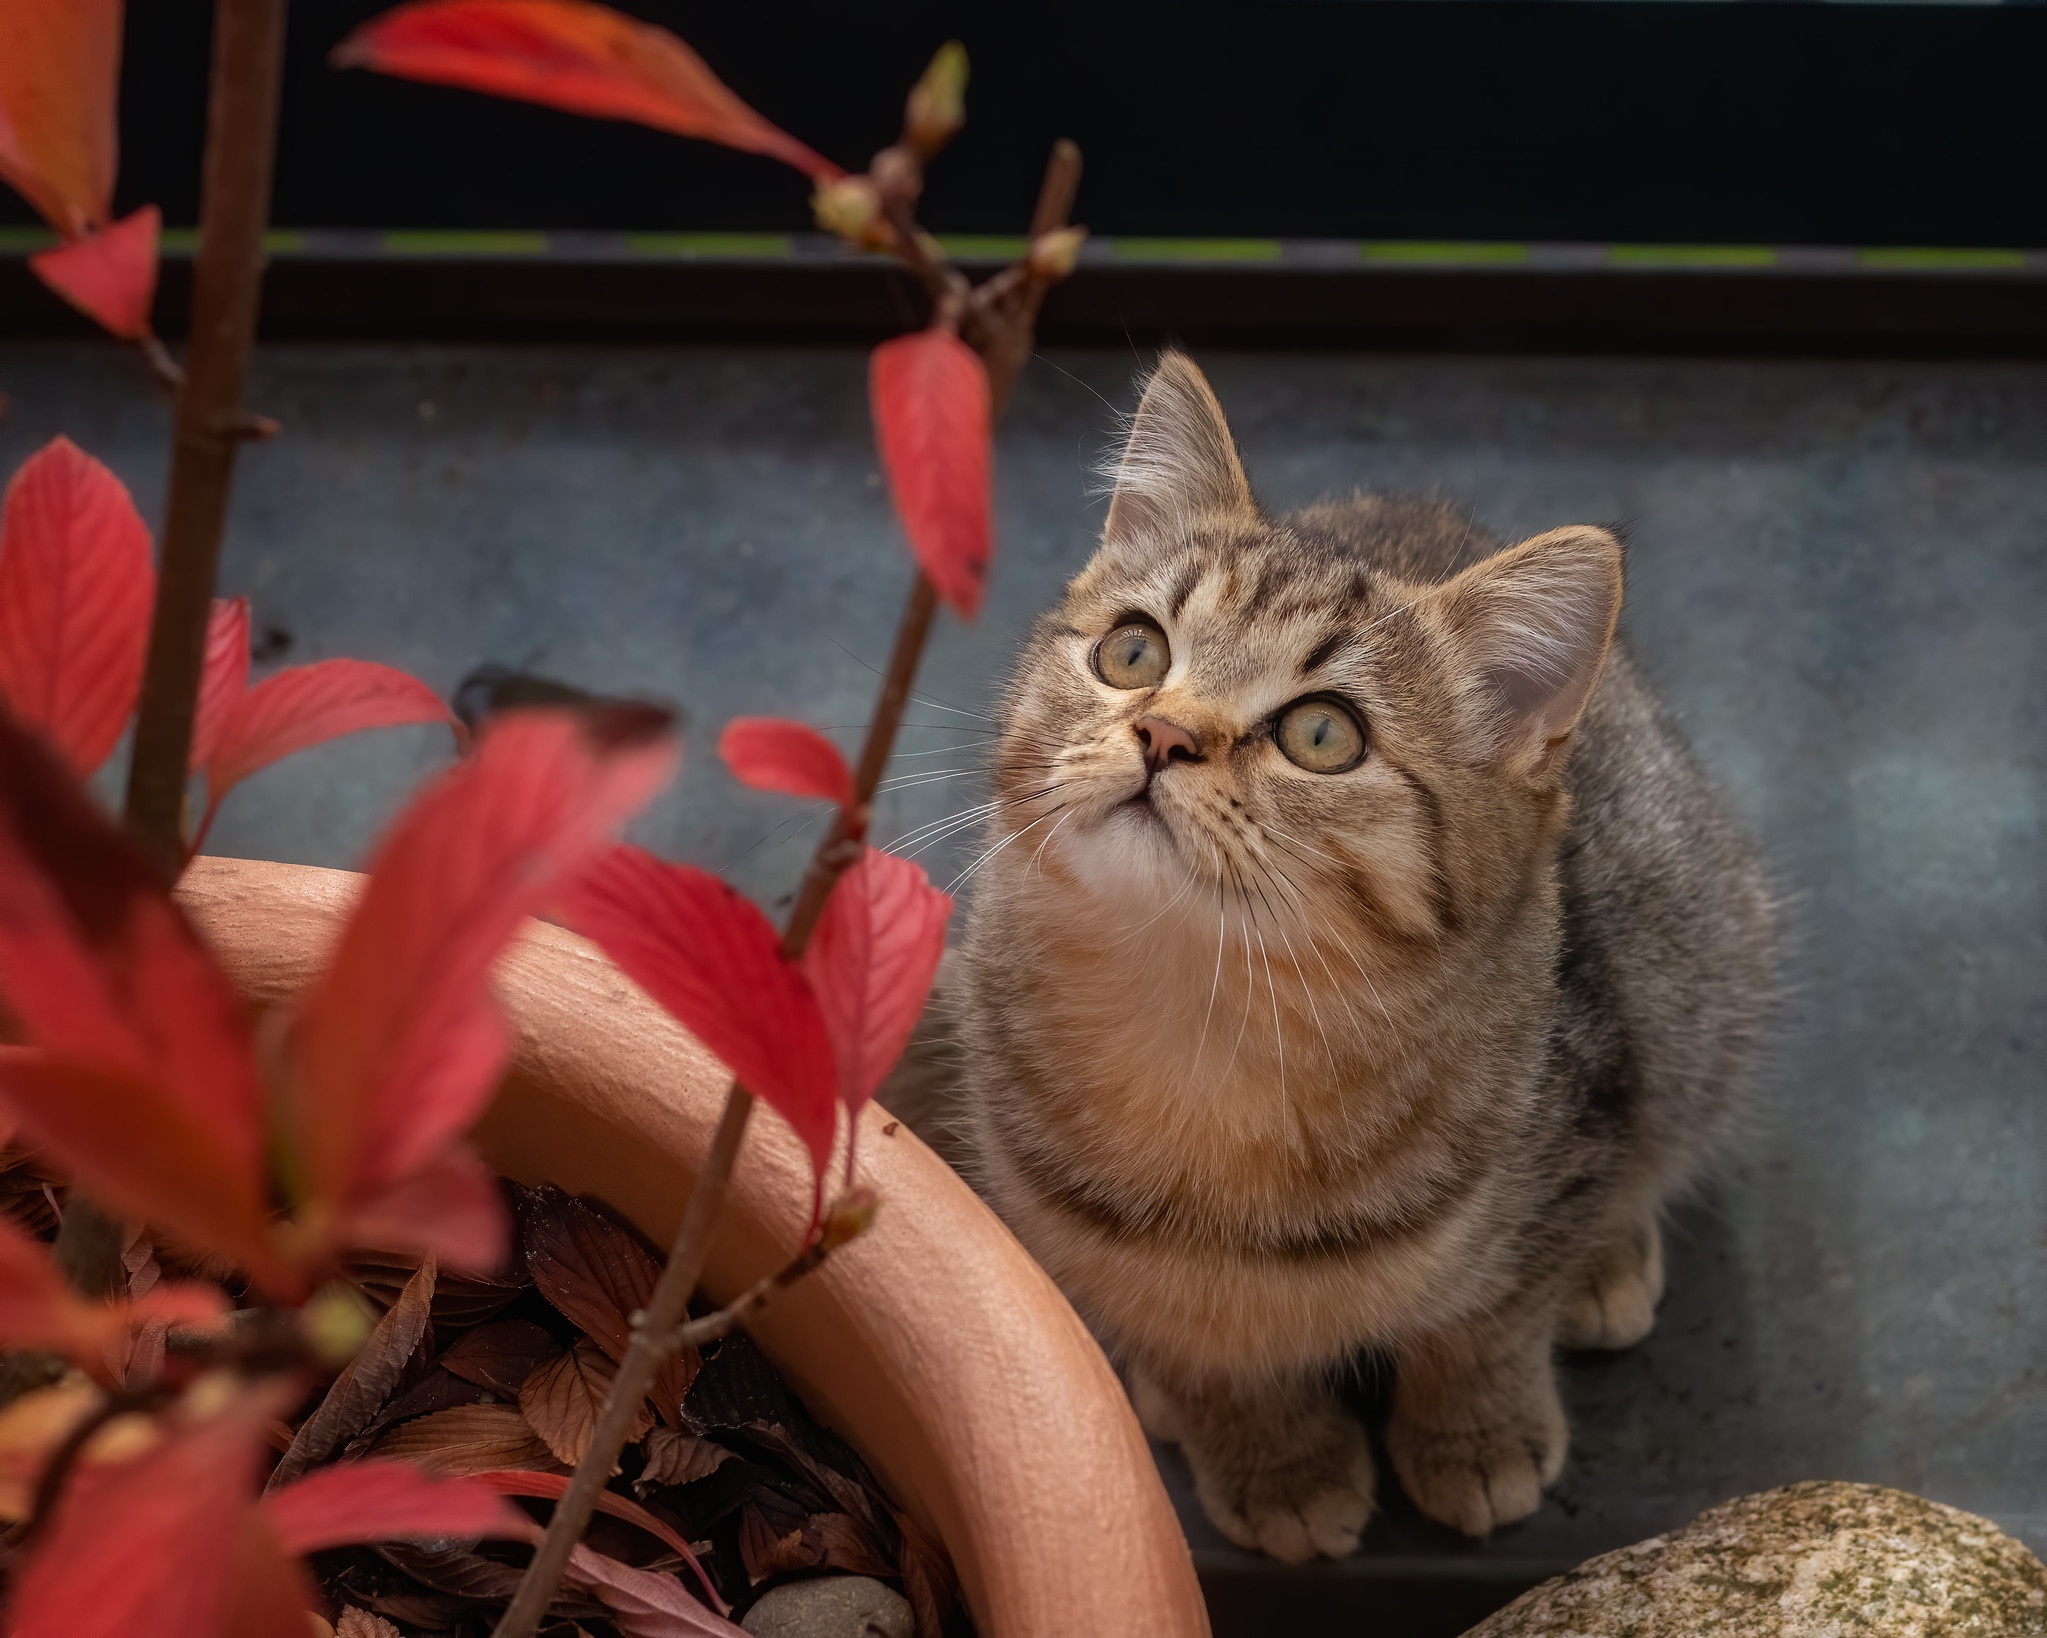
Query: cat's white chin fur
<point x="1126" y="854"/>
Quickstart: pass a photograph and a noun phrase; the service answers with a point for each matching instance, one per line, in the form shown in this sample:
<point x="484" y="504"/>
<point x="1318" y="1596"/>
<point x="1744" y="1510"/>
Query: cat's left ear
<point x="1533" y="626"/>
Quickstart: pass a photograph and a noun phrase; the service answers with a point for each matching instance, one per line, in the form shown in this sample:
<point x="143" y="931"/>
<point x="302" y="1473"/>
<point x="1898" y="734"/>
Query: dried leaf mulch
<point x="729" y="1487"/>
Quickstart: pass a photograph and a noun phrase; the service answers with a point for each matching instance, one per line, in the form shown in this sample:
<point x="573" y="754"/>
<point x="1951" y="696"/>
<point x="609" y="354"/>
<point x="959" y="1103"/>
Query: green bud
<point x="849" y="207"/>
<point x="1053" y="254"/>
<point x="851" y="1216"/>
<point x="336" y="1322"/>
<point x="938" y="101"/>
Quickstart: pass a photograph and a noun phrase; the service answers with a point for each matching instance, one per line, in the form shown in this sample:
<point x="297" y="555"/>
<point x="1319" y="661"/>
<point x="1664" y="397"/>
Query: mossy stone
<point x="1816" y="1560"/>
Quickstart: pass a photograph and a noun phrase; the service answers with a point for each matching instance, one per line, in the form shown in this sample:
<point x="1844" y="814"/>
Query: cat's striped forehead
<point x="1265" y="610"/>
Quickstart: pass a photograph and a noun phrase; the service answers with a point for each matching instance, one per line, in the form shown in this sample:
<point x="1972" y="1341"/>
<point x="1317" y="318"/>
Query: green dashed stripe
<point x="1443" y="253"/>
<point x="1905" y="259"/>
<point x="709" y="246"/>
<point x="971" y="247"/>
<point x="413" y="243"/>
<point x="1691" y="256"/>
<point x="1194" y="250"/>
<point x="984" y="247"/>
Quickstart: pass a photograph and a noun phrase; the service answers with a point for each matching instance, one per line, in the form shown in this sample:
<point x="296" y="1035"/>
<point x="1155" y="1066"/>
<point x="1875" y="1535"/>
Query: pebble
<point x="831" y="1606"/>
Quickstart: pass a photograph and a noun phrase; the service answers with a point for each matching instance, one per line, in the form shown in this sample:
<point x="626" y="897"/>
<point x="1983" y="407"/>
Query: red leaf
<point x="929" y="395"/>
<point x="309" y="704"/>
<point x="773" y="754"/>
<point x="383" y="1501"/>
<point x="109" y="276"/>
<point x="449" y="1207"/>
<point x="270" y="1594"/>
<point x="586" y="59"/>
<point x="709" y="956"/>
<point x="76" y="587"/>
<point x="175" y="1512"/>
<point x="400" y="1045"/>
<point x="139" y="1146"/>
<point x="60" y="61"/>
<point x="871" y="961"/>
<point x="38" y="1310"/>
<point x="225" y="676"/>
<point x="644" y="1603"/>
<point x="554" y="1486"/>
<point x="145" y="1082"/>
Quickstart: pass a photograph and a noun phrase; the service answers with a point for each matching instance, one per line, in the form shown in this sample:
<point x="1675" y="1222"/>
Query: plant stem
<point x="657" y="1328"/>
<point x="241" y="139"/>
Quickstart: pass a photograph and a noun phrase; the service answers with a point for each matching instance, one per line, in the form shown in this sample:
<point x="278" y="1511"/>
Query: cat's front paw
<point x="1478" y="1475"/>
<point x="1616" y="1305"/>
<point x="1294" y="1504"/>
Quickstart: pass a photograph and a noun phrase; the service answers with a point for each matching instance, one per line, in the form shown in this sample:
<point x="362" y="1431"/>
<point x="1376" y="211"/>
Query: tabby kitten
<point x="1362" y="963"/>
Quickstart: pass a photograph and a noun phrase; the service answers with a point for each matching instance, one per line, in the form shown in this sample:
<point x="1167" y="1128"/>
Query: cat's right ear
<point x="1179" y="462"/>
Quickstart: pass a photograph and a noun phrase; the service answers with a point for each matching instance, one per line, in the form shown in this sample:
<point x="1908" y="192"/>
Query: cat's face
<point x="1227" y="711"/>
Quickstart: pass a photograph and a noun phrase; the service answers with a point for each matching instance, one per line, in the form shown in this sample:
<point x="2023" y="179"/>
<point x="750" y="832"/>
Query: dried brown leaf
<point x="438" y="1390"/>
<point x="139" y="1264"/>
<point x="501" y="1355"/>
<point x="359" y="1623"/>
<point x="454" y="1570"/>
<point x="768" y="1553"/>
<point x="679" y="1458"/>
<point x="597" y="1274"/>
<point x="928" y="1580"/>
<point x="365" y="1382"/>
<point x="459" y="1299"/>
<point x="562" y="1400"/>
<point x="468" y="1439"/>
<point x="434" y="1611"/>
<point x="846" y="1544"/>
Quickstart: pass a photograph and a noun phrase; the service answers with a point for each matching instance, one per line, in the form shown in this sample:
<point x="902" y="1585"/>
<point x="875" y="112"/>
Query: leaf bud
<point x="938" y="101"/>
<point x="335" y="1323"/>
<point x="1053" y="254"/>
<point x="849" y="207"/>
<point x="851" y="1216"/>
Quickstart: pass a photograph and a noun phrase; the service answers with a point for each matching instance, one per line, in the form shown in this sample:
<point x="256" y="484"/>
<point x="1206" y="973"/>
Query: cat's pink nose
<point x="1165" y="742"/>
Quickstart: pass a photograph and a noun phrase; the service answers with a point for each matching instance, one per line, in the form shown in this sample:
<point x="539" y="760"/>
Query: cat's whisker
<point x="775" y="835"/>
<point x="1237" y="886"/>
<point x="1215" y="984"/>
<point x="940" y="750"/>
<point x="959" y="880"/>
<point x="1307" y="989"/>
<point x="1131" y="935"/>
<point x="960" y="819"/>
<point x="1047" y="842"/>
<point x="946" y="832"/>
<point x="926" y="776"/>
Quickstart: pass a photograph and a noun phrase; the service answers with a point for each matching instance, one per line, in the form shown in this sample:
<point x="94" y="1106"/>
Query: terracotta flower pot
<point x="933" y="1343"/>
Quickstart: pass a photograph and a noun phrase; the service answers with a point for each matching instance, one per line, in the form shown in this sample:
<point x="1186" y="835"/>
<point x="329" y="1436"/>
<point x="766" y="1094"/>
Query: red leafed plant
<point x="60" y="67"/>
<point x="261" y="1153"/>
<point x="140" y="1074"/>
<point x="76" y="588"/>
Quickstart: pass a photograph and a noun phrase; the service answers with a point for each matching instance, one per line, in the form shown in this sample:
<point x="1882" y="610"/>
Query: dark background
<point x="1760" y="123"/>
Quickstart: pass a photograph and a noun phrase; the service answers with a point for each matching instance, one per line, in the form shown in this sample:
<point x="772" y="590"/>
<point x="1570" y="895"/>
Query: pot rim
<point x="972" y="1388"/>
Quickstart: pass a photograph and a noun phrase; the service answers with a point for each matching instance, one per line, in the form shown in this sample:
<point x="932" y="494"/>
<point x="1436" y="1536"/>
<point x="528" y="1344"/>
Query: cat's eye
<point x="1320" y="735"/>
<point x="1134" y="655"/>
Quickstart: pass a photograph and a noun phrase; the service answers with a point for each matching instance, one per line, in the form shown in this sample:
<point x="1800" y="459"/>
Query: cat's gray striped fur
<point x="1268" y="1065"/>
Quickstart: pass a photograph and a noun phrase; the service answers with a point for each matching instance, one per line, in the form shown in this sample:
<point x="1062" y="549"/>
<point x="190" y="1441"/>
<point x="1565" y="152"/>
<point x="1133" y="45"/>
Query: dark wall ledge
<point x="1272" y="293"/>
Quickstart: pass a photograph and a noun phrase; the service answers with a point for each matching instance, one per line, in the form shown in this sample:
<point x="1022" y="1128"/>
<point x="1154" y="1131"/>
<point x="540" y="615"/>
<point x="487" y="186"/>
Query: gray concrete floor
<point x="1839" y="574"/>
